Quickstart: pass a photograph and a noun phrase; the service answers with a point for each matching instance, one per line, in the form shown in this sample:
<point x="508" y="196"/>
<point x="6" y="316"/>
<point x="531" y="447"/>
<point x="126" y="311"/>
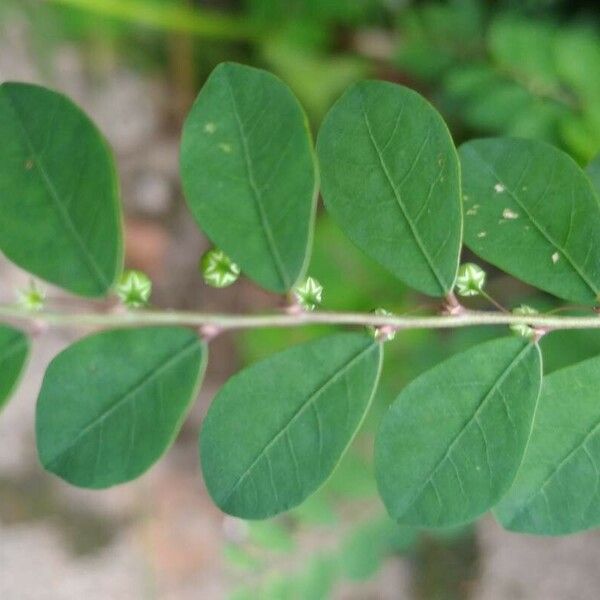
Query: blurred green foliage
<point x="503" y="71"/>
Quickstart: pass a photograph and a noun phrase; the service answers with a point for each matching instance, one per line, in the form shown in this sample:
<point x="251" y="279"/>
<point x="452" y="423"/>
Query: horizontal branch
<point x="243" y="321"/>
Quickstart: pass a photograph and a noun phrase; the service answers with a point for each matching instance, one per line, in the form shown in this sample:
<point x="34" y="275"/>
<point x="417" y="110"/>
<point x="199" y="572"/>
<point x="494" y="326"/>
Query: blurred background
<point x="527" y="68"/>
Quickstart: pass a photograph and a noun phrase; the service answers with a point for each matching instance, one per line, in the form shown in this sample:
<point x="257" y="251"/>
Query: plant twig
<point x="137" y="318"/>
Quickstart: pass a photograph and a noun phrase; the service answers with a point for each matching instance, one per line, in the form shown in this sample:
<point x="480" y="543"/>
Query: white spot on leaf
<point x="555" y="257"/>
<point x="225" y="148"/>
<point x="210" y="128"/>
<point x="507" y="213"/>
<point x="482" y="234"/>
<point x="499" y="188"/>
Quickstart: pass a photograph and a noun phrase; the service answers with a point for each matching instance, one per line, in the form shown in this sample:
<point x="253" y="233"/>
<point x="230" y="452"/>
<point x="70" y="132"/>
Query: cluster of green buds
<point x="32" y="298"/>
<point x="309" y="294"/>
<point x="470" y="280"/>
<point x="218" y="269"/>
<point x="134" y="289"/>
<point x="521" y="328"/>
<point x="382" y="333"/>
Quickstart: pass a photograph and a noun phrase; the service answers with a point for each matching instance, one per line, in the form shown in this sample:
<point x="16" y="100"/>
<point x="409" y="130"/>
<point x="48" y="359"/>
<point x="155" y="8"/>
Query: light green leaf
<point x="14" y="348"/>
<point x="249" y="173"/>
<point x="61" y="218"/>
<point x="391" y="181"/>
<point x="112" y="403"/>
<point x="557" y="489"/>
<point x="277" y="429"/>
<point x="531" y="211"/>
<point x="450" y="445"/>
<point x="593" y="172"/>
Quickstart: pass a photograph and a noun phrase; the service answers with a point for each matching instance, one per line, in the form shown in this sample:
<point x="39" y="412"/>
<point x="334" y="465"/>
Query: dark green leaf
<point x="276" y="430"/>
<point x="112" y="403"/>
<point x="531" y="211"/>
<point x="593" y="172"/>
<point x="450" y="445"/>
<point x="391" y="180"/>
<point x="557" y="489"/>
<point x="61" y="218"/>
<point x="14" y="348"/>
<point x="249" y="173"/>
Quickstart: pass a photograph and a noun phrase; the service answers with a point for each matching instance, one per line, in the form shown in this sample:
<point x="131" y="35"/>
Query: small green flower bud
<point x="218" y="269"/>
<point x="134" y="289"/>
<point x="470" y="280"/>
<point x="32" y="298"/>
<point x="384" y="333"/>
<point x="309" y="294"/>
<point x="520" y="328"/>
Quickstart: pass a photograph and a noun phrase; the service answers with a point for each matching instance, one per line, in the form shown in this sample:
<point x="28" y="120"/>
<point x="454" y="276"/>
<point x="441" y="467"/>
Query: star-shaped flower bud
<point x="521" y="328"/>
<point x="309" y="294"/>
<point x="31" y="298"/>
<point x="134" y="289"/>
<point x="470" y="280"/>
<point x="218" y="269"/>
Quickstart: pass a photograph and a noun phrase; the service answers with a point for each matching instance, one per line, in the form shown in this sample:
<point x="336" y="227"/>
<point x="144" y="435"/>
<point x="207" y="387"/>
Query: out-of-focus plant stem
<point x="182" y="19"/>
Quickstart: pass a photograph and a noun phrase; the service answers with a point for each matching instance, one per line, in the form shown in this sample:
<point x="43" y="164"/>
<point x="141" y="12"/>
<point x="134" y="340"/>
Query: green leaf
<point x="450" y="445"/>
<point x="61" y="217"/>
<point x="249" y="173"/>
<point x="277" y="429"/>
<point x="112" y="403"/>
<point x="14" y="348"/>
<point x="531" y="211"/>
<point x="391" y="181"/>
<point x="593" y="172"/>
<point x="557" y="489"/>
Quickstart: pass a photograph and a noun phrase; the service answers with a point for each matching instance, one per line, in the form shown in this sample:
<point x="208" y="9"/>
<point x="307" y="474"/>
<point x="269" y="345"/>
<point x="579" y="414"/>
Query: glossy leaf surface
<point x="531" y="211"/>
<point x="557" y="489"/>
<point x="390" y="178"/>
<point x="277" y="429"/>
<point x="249" y="173"/>
<point x="14" y="348"/>
<point x="112" y="403"/>
<point x="59" y="192"/>
<point x="450" y="445"/>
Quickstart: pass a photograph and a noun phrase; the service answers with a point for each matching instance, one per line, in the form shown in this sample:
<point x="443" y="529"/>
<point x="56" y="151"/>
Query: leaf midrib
<point x="152" y="373"/>
<point x="89" y="259"/>
<point x="398" y="197"/>
<point x="310" y="402"/>
<point x="264" y="220"/>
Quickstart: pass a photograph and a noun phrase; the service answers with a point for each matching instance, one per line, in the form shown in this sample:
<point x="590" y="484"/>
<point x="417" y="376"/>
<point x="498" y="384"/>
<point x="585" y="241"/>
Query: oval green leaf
<point x="61" y="218"/>
<point x="557" y="488"/>
<point x="14" y="349"/>
<point x="112" y="403"/>
<point x="277" y="429"/>
<point x="531" y="211"/>
<point x="450" y="445"/>
<point x="390" y="178"/>
<point x="249" y="173"/>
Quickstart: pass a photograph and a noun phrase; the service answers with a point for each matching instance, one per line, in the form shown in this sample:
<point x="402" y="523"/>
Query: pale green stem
<point x="223" y="322"/>
<point x="197" y="21"/>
